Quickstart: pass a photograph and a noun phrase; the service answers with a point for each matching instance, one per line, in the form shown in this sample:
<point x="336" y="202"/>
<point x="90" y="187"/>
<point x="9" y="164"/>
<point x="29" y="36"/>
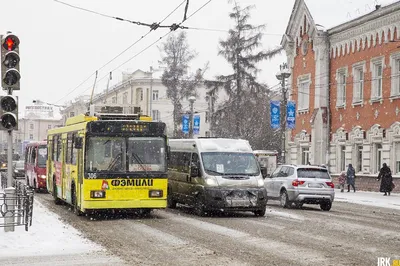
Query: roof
<point x="211" y="145"/>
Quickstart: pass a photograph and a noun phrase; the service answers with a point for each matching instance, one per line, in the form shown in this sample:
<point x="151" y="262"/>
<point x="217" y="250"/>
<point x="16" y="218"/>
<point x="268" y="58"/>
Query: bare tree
<point x="176" y="56"/>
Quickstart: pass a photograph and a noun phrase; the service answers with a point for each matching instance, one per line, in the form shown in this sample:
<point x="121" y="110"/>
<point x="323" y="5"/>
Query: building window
<point x="114" y="99"/>
<point x="141" y="95"/>
<point x="305" y="155"/>
<point x="378" y="157"/>
<point x="341" y="88"/>
<point x="208" y="134"/>
<point x="397" y="158"/>
<point x="125" y="98"/>
<point x="359" y="158"/>
<point x="156" y="115"/>
<point x="377" y="72"/>
<point x="71" y="114"/>
<point x="304" y="92"/>
<point x="30" y="136"/>
<point x="395" y="74"/>
<point x="342" y="158"/>
<point x="358" y="83"/>
<point x="30" y="126"/>
<point x="207" y="117"/>
<point x="155" y="95"/>
<point x="48" y="126"/>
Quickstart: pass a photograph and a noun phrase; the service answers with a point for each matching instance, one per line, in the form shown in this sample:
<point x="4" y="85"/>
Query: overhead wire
<point x="118" y="55"/>
<point x="153" y="43"/>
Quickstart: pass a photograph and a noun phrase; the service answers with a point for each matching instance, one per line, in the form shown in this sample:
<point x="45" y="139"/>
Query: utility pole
<point x="282" y="75"/>
<point x="151" y="92"/>
<point x="192" y="99"/>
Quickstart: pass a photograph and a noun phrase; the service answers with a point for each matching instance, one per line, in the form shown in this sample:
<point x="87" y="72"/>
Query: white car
<point x="301" y="184"/>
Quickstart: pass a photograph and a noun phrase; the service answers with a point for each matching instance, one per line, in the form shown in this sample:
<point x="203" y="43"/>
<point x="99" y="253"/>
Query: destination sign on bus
<point x="126" y="127"/>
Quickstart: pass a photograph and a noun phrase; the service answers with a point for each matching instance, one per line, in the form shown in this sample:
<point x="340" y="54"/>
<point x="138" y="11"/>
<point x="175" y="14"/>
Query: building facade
<point x="346" y="83"/>
<point x="32" y="126"/>
<point x="140" y="89"/>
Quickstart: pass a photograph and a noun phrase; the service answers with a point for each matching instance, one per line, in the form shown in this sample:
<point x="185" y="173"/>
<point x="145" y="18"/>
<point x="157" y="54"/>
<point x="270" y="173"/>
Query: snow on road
<point x="48" y="240"/>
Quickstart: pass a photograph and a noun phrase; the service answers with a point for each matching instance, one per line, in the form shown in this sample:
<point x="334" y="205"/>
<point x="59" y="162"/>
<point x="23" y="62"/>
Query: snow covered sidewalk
<point x="369" y="198"/>
<point x="50" y="242"/>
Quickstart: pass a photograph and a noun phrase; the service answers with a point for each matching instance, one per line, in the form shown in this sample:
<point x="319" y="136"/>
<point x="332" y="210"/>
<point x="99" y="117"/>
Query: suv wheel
<point x="284" y="199"/>
<point x="326" y="206"/>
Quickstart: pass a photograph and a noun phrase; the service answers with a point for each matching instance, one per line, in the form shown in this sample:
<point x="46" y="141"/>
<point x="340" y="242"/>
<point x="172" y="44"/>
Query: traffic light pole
<point x="9" y="159"/>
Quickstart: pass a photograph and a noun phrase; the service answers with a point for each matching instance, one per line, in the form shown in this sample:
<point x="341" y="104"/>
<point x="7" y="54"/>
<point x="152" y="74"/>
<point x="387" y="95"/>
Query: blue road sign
<point x="196" y="125"/>
<point x="275" y="114"/>
<point x="291" y="115"/>
<point x="185" y="124"/>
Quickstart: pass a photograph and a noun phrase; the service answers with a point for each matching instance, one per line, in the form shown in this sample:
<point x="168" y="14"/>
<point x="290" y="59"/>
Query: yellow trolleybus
<point x="108" y="162"/>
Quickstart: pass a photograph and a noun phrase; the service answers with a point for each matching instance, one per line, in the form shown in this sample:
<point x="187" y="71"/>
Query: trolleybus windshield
<point x="126" y="154"/>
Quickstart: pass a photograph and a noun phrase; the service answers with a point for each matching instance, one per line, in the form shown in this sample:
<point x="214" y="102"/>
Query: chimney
<point x="377" y="7"/>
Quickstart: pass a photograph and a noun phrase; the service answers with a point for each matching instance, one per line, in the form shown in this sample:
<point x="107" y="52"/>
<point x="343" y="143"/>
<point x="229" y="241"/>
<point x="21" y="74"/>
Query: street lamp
<point x="282" y="75"/>
<point x="191" y="99"/>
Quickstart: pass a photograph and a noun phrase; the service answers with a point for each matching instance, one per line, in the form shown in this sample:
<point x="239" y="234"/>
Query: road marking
<point x="158" y="234"/>
<point x="275" y="247"/>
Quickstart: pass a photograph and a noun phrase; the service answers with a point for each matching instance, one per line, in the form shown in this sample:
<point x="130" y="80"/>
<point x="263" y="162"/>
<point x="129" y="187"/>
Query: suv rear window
<point x="312" y="173"/>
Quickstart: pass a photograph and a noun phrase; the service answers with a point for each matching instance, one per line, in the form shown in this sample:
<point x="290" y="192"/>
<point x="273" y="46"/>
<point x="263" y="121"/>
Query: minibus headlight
<point x="43" y="176"/>
<point x="211" y="181"/>
<point x="260" y="182"/>
<point x="97" y="194"/>
<point x="155" y="193"/>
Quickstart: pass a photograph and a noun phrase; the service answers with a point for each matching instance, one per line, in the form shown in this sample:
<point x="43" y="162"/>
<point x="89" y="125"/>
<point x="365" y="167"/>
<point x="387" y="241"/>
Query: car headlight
<point x="211" y="181"/>
<point x="43" y="176"/>
<point x="260" y="182"/>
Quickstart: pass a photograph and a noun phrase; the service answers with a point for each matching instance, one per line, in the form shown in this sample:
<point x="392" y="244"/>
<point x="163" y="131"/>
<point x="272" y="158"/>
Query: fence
<point x="16" y="205"/>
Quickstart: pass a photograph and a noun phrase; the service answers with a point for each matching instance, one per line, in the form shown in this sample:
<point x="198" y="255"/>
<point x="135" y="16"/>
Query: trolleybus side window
<point x="68" y="159"/>
<point x="74" y="150"/>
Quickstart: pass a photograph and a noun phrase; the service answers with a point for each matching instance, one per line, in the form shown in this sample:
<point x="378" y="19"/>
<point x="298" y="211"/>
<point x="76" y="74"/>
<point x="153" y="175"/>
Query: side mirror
<point x="194" y="171"/>
<point x="168" y="152"/>
<point x="264" y="172"/>
<point x="78" y="142"/>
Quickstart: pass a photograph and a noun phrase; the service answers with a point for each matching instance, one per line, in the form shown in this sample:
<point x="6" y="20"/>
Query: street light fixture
<point x="282" y="75"/>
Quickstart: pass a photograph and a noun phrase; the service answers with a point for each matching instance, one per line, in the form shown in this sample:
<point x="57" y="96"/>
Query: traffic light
<point x="10" y="59"/>
<point x="8" y="112"/>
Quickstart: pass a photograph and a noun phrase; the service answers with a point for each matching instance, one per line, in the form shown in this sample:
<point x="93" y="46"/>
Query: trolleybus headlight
<point x="155" y="193"/>
<point x="97" y="194"/>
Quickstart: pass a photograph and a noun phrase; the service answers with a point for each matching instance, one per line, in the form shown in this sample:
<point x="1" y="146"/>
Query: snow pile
<point x="47" y="236"/>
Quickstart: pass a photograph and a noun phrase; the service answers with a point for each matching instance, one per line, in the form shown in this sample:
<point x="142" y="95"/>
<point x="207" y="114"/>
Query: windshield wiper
<point x="215" y="172"/>
<point x="137" y="158"/>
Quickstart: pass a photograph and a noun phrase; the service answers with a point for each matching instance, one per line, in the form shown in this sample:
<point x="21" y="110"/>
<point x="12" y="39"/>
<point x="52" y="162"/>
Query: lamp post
<point x="282" y="75"/>
<point x="191" y="99"/>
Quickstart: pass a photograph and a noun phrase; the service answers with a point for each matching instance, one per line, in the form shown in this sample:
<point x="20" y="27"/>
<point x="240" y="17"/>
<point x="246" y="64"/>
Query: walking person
<point x="385" y="175"/>
<point x="342" y="180"/>
<point x="351" y="176"/>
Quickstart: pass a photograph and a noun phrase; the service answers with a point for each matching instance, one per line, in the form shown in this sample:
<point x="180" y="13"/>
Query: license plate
<point x="238" y="202"/>
<point x="315" y="185"/>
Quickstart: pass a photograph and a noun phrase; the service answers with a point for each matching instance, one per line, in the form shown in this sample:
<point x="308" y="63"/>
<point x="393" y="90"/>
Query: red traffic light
<point x="11" y="42"/>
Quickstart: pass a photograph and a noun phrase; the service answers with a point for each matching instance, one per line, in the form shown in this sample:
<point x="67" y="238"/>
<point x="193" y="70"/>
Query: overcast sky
<point x="62" y="46"/>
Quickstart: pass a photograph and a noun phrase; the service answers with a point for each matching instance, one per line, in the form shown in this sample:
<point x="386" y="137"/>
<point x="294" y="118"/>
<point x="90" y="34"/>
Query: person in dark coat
<point x="385" y="175"/>
<point x="351" y="175"/>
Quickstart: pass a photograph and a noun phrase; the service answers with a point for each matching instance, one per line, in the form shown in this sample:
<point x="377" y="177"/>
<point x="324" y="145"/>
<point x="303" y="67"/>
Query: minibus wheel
<point x="171" y="203"/>
<point x="199" y="207"/>
<point x="260" y="212"/>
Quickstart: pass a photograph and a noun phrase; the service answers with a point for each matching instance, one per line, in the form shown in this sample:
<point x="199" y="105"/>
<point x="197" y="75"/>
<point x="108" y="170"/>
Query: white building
<point x="32" y="125"/>
<point x="140" y="89"/>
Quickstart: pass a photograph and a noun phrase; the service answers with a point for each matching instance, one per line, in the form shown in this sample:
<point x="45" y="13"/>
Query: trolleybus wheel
<point x="73" y="201"/>
<point x="57" y="201"/>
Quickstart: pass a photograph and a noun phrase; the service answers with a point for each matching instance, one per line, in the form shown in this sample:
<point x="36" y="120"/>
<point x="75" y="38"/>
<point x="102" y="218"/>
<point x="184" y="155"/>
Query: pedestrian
<point x="351" y="176"/>
<point x="385" y="175"/>
<point x="342" y="180"/>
